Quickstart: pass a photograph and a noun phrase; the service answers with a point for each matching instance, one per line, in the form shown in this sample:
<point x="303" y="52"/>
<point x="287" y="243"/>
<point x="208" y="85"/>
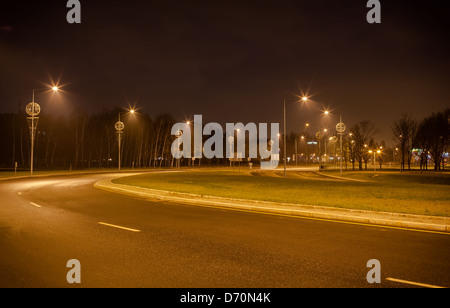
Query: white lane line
<point x="415" y="283"/>
<point x="36" y="205"/>
<point x="119" y="227"/>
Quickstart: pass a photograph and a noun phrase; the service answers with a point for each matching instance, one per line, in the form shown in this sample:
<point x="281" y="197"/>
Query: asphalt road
<point x="122" y="241"/>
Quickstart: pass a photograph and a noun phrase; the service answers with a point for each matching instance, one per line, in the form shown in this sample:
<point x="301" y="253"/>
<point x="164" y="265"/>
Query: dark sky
<point x="231" y="61"/>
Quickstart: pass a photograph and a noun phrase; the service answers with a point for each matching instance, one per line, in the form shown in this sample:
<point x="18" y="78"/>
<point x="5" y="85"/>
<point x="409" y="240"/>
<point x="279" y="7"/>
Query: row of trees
<point x="431" y="136"/>
<point x="90" y="141"/>
<point x="87" y="141"/>
<point x="429" y="139"/>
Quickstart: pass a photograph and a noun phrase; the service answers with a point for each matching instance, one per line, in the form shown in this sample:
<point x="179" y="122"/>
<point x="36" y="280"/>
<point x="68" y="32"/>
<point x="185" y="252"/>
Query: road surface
<point x="122" y="241"/>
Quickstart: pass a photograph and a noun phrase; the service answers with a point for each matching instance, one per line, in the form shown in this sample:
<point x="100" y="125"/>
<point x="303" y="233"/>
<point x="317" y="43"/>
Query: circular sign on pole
<point x="333" y="139"/>
<point x="119" y="126"/>
<point x="340" y="127"/>
<point x="33" y="109"/>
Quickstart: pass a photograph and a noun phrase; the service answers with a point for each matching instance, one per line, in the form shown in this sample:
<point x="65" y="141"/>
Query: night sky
<point x="231" y="61"/>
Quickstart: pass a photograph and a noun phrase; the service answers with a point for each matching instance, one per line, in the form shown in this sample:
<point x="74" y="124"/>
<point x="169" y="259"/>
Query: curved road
<point x="122" y="241"/>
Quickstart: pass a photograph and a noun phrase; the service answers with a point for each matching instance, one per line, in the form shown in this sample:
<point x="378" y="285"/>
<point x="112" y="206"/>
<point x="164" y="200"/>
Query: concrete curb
<point x="340" y="178"/>
<point x="398" y="220"/>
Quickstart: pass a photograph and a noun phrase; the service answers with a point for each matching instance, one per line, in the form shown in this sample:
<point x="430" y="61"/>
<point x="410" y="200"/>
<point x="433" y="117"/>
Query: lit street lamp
<point x="33" y="109"/>
<point x="374" y="159"/>
<point x="340" y="128"/>
<point x="304" y="99"/>
<point x="119" y="126"/>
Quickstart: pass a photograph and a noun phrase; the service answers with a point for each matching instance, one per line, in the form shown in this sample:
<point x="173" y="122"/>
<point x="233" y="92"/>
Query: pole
<point x="340" y="120"/>
<point x="341" y="152"/>
<point x="119" y="140"/>
<point x="374" y="164"/>
<point x="296" y="156"/>
<point x="32" y="142"/>
<point x="284" y="137"/>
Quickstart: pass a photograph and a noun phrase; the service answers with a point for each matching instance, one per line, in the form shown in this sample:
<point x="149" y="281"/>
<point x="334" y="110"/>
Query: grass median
<point x="426" y="194"/>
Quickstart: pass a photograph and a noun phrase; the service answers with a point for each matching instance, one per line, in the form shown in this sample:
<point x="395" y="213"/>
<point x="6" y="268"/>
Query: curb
<point x="394" y="220"/>
<point x="340" y="178"/>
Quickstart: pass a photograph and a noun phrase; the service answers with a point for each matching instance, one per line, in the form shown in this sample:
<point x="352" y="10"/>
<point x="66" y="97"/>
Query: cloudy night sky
<point x="231" y="61"/>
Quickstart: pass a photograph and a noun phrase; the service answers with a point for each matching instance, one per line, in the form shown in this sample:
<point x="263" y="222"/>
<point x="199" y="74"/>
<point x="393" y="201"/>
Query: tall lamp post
<point x="119" y="126"/>
<point x="304" y="99"/>
<point x="340" y="128"/>
<point x="374" y="158"/>
<point x="33" y="109"/>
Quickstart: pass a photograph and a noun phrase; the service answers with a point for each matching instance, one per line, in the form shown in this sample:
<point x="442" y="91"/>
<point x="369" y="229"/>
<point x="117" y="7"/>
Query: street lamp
<point x="374" y="158"/>
<point x="340" y="128"/>
<point x="304" y="99"/>
<point x="325" y="139"/>
<point x="119" y="126"/>
<point x="33" y="109"/>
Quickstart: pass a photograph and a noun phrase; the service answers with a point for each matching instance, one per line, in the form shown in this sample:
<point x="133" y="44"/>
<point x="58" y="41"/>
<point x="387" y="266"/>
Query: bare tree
<point x="362" y="134"/>
<point x="436" y="129"/>
<point x="404" y="131"/>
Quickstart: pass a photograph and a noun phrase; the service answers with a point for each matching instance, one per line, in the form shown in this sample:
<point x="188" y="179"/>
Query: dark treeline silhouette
<point x="430" y="137"/>
<point x="415" y="142"/>
<point x="87" y="141"/>
<point x="83" y="141"/>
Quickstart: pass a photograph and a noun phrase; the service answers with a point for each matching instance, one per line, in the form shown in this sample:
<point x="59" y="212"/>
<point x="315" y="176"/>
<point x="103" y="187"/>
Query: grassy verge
<point x="403" y="193"/>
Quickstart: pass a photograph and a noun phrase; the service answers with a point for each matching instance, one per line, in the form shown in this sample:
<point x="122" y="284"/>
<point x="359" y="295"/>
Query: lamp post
<point x="374" y="158"/>
<point x="340" y="128"/>
<point x="119" y="126"/>
<point x="304" y="99"/>
<point x="33" y="109"/>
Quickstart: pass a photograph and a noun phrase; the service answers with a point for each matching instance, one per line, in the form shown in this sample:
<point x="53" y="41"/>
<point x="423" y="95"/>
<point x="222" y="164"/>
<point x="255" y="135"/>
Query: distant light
<point x="188" y="122"/>
<point x="55" y="88"/>
<point x="304" y="98"/>
<point x="132" y="111"/>
<point x="326" y="112"/>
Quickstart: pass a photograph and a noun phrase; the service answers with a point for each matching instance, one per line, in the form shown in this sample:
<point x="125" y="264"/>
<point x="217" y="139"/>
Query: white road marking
<point x="119" y="227"/>
<point x="414" y="283"/>
<point x="36" y="205"/>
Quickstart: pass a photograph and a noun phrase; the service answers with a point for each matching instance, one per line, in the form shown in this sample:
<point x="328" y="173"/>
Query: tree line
<point x="427" y="140"/>
<point x="85" y="140"/>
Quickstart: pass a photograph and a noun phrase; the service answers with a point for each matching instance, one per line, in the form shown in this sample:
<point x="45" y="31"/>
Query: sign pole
<point x="340" y="127"/>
